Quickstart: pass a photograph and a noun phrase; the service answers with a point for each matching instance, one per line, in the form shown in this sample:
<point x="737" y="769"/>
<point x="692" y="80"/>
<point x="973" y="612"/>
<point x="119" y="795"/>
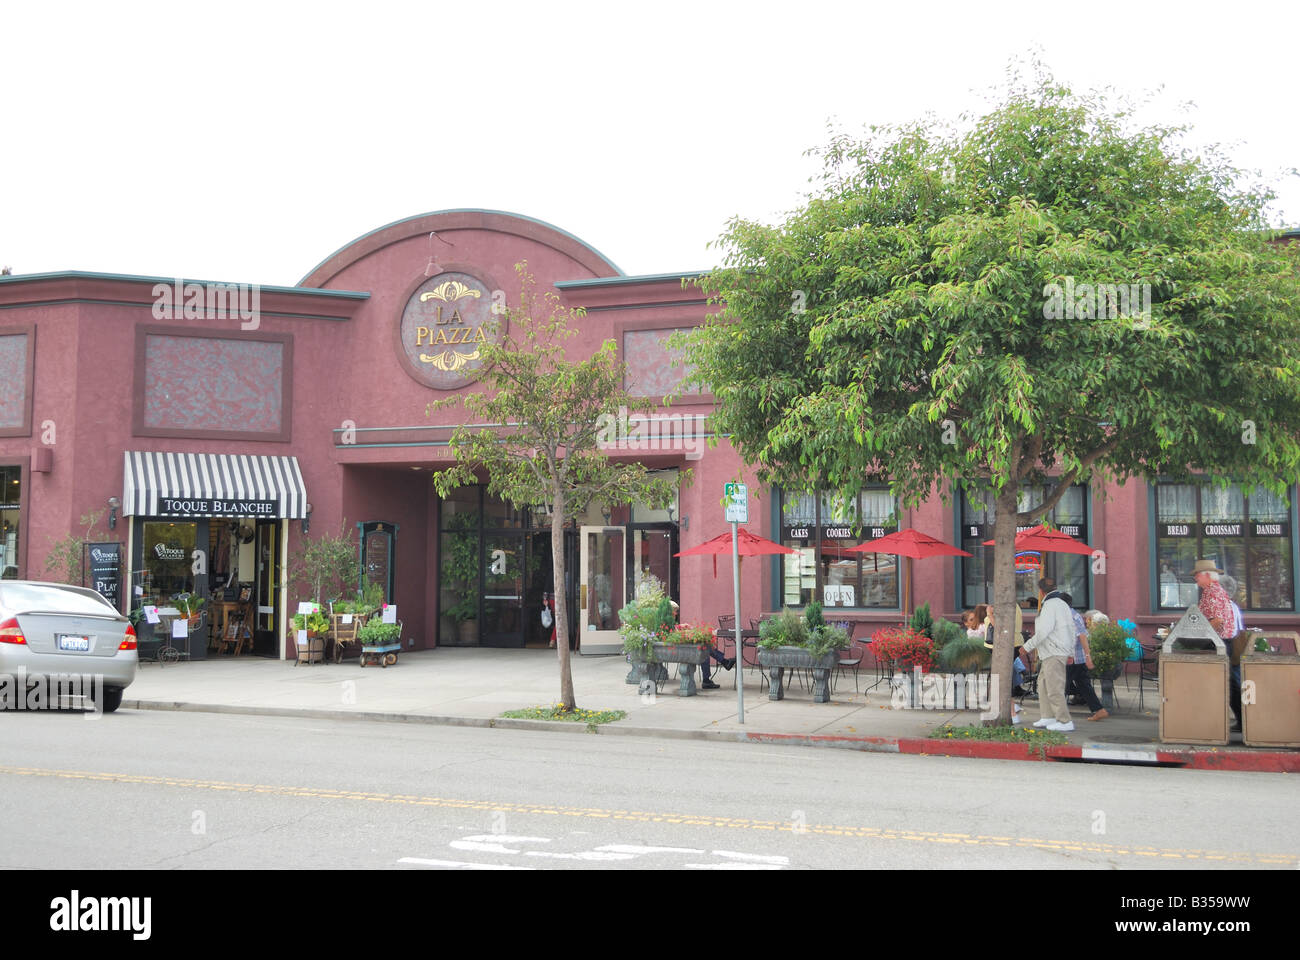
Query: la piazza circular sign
<point x="444" y="324"/>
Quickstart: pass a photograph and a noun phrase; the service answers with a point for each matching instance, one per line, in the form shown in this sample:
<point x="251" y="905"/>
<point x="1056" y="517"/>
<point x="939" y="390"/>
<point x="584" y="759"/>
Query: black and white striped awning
<point x="212" y="485"/>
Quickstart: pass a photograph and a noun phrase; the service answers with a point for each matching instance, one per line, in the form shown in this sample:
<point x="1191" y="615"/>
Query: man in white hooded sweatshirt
<point x="1054" y="640"/>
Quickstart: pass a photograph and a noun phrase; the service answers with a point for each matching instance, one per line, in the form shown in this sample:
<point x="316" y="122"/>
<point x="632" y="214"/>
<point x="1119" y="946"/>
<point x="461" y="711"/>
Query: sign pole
<point x="735" y="496"/>
<point x="740" y="650"/>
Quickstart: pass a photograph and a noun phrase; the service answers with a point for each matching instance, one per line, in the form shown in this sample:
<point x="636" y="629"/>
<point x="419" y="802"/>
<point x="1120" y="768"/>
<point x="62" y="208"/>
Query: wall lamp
<point x="432" y="268"/>
<point x="113" y="504"/>
<point x="306" y="521"/>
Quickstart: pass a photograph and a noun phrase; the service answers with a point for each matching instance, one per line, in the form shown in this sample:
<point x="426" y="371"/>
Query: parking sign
<point x="737" y="497"/>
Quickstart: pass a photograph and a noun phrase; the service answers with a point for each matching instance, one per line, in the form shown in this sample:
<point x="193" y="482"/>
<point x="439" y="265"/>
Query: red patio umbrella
<point x="912" y="544"/>
<point x="1046" y="540"/>
<point x="747" y="545"/>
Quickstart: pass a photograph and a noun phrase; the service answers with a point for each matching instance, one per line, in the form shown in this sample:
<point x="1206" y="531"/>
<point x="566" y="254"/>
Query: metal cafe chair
<point x="1148" y="670"/>
<point x="849" y="659"/>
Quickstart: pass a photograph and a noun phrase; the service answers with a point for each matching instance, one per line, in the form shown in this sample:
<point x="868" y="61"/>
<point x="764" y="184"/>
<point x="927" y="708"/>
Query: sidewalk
<point x="473" y="687"/>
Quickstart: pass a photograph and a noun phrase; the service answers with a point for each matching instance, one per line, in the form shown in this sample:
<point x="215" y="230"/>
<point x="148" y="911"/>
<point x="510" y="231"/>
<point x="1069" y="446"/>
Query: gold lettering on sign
<point x="449" y="292"/>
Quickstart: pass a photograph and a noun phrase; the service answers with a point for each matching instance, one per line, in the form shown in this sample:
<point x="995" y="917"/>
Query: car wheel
<point x="110" y="699"/>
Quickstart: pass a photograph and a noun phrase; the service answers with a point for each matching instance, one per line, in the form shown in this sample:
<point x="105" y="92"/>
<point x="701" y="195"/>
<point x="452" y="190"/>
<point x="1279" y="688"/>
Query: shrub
<point x="786" y="629"/>
<point x="1106" y="643"/>
<point x="922" y="622"/>
<point x="961" y="652"/>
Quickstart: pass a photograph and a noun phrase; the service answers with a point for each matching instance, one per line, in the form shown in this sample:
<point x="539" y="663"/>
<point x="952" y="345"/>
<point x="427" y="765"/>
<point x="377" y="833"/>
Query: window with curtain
<point x="821" y="527"/>
<point x="1248" y="537"/>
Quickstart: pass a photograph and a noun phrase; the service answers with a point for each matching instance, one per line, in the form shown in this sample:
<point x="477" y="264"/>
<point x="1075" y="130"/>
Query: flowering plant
<point x="646" y="620"/>
<point x="903" y="647"/>
<point x="685" y="633"/>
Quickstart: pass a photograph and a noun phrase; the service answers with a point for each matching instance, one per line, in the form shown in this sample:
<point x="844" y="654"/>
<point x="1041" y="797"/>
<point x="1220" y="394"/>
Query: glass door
<point x="503" y="590"/>
<point x="601" y="589"/>
<point x="267" y="592"/>
<point x="652" y="556"/>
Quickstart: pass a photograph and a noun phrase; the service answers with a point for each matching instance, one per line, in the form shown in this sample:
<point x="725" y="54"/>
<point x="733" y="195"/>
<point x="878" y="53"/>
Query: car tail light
<point x="129" y="642"/>
<point x="10" y="632"/>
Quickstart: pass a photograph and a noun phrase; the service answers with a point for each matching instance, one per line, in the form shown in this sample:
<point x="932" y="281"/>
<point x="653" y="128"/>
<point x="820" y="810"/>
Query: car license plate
<point x="69" y="642"/>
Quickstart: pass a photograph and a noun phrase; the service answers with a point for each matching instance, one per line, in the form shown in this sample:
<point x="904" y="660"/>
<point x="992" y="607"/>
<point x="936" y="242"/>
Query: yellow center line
<point x="740" y="823"/>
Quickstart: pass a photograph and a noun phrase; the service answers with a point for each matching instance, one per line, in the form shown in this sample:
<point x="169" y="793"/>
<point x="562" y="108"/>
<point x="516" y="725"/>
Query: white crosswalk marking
<point x="460" y="863"/>
<point x="512" y="846"/>
<point x="753" y="857"/>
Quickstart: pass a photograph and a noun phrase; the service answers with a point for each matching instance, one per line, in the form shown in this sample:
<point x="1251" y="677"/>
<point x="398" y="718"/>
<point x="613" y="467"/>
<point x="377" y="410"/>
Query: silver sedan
<point x="59" y="642"/>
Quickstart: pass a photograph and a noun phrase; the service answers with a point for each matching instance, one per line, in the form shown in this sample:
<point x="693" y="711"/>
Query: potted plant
<point x="376" y="633"/>
<point x="646" y="621"/>
<point x="1108" y="644"/>
<point x="904" y="651"/>
<point x="188" y="604"/>
<point x="956" y="653"/>
<point x="794" y="642"/>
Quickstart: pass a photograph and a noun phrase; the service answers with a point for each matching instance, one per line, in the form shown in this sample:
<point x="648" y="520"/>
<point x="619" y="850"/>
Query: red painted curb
<point x="1192" y="759"/>
<point x="1241" y="760"/>
<point x="986" y="749"/>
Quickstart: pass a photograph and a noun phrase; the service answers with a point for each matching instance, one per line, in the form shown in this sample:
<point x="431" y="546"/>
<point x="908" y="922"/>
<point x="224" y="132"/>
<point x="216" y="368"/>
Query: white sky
<point x="245" y="142"/>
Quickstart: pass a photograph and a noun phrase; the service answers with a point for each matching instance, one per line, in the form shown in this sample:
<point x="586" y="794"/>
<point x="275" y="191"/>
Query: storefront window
<point x="1247" y="537"/>
<point x="167" y="560"/>
<point x="1069" y="570"/>
<point x="10" y="504"/>
<point x="821" y="527"/>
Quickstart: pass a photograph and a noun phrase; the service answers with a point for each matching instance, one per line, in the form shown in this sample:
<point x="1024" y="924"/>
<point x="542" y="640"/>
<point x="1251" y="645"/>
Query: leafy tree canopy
<point x="1047" y="291"/>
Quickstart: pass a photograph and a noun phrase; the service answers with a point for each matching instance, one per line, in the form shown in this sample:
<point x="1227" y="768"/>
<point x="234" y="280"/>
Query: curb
<point x="1214" y="758"/>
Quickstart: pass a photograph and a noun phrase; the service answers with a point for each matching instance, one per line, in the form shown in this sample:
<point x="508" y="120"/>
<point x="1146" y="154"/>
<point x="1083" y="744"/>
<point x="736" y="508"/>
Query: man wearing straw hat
<point x="1217" y="607"/>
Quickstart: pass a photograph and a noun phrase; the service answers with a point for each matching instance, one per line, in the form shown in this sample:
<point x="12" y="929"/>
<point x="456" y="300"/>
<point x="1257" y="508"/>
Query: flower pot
<point x="797" y="658"/>
<point x="1108" y="686"/>
<point x="467" y="633"/>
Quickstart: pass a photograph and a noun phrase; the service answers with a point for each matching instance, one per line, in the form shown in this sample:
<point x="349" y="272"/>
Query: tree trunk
<point x="561" y="601"/>
<point x="1004" y="596"/>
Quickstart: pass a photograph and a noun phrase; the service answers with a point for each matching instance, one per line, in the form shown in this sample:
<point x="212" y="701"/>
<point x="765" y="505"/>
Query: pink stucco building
<point x="226" y="420"/>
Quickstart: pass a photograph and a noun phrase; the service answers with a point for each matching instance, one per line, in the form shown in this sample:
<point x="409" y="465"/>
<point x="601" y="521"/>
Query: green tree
<point x="550" y="415"/>
<point x="66" y="556"/>
<point x="328" y="565"/>
<point x="972" y="306"/>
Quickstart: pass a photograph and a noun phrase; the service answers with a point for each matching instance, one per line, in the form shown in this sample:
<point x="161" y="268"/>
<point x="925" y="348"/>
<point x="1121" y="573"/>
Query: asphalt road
<point x="161" y="790"/>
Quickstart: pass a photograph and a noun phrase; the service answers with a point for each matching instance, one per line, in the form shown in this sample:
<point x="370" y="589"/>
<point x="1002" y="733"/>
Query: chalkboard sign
<point x="104" y="561"/>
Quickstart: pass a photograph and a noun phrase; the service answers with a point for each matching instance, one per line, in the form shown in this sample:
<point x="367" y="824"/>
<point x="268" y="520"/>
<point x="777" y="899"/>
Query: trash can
<point x="1270" y="700"/>
<point x="1194" y="684"/>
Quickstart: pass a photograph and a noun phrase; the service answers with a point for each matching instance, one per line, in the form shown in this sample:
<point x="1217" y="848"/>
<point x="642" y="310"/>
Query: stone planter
<point x="647" y="675"/>
<point x="777" y="661"/>
<point x="1108" y="686"/>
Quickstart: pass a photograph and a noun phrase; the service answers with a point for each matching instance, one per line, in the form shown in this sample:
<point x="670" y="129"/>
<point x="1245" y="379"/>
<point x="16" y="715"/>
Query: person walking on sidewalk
<point x="1077" y="669"/>
<point x="1053" y="640"/>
